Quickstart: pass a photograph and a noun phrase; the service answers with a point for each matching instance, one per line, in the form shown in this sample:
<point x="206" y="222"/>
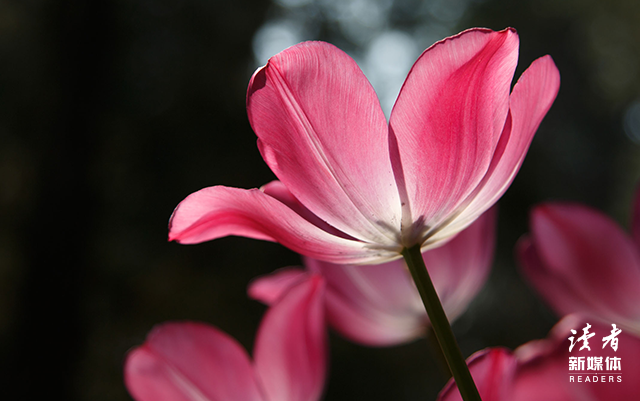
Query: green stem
<point x="434" y="345"/>
<point x="440" y="324"/>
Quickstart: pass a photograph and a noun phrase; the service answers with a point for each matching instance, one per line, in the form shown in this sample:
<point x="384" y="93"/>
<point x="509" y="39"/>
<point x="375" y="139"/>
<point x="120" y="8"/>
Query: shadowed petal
<point x="190" y="362"/>
<point x="323" y="133"/>
<point x="460" y="268"/>
<point x="447" y="122"/>
<point x="219" y="211"/>
<point x="378" y="305"/>
<point x="269" y="288"/>
<point x="544" y="281"/>
<point x="290" y="352"/>
<point x="587" y="255"/>
<point x="539" y="370"/>
<point x="277" y="190"/>
<point x="374" y="305"/>
<point x="492" y="370"/>
<point x="543" y="366"/>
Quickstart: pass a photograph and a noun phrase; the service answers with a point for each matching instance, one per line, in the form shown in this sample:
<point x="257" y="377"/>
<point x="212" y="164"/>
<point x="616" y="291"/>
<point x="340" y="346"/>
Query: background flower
<point x="379" y="304"/>
<point x="187" y="360"/>
<point x="539" y="370"/>
<point x="580" y="260"/>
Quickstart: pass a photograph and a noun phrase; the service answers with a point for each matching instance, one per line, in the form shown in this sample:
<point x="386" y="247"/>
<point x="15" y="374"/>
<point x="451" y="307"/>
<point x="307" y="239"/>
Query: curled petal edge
<point x="219" y="211"/>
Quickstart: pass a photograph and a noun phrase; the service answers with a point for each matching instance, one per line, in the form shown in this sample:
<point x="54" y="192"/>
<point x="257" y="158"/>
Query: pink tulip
<point x="580" y="260"/>
<point x="492" y="370"/>
<point x="539" y="370"/>
<point x="380" y="305"/>
<point x="193" y="361"/>
<point x="354" y="189"/>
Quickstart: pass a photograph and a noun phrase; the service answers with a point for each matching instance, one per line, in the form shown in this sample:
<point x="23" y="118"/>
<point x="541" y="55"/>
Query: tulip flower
<point x="194" y="361"/>
<point x="580" y="260"/>
<point x="379" y="305"/>
<point x="354" y="189"/>
<point x="540" y="370"/>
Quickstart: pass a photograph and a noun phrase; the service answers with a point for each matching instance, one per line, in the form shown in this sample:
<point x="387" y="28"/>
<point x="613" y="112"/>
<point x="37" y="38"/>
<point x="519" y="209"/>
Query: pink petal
<point x="323" y="133"/>
<point x="586" y="254"/>
<point x="539" y="370"/>
<point x="447" y="122"/>
<point x="629" y="352"/>
<point x="543" y="371"/>
<point x="190" y="361"/>
<point x="291" y="346"/>
<point x="375" y="305"/>
<point x="379" y="305"/>
<point x="277" y="190"/>
<point x="460" y="268"/>
<point x="549" y="286"/>
<point x="530" y="100"/>
<point x="269" y="288"/>
<point x="219" y="211"/>
<point x="492" y="371"/>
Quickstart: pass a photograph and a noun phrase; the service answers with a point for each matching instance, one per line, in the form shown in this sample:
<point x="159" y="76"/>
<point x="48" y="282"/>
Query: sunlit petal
<point x="447" y="121"/>
<point x="323" y="133"/>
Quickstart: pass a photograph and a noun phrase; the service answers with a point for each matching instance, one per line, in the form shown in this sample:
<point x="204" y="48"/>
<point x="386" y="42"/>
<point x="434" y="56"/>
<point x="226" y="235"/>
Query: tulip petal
<point x="550" y="287"/>
<point x="492" y="371"/>
<point x="460" y="267"/>
<point x="544" y="369"/>
<point x="379" y="305"/>
<point x="629" y="346"/>
<point x="530" y="100"/>
<point x="190" y="362"/>
<point x="219" y="211"/>
<point x="269" y="288"/>
<point x="544" y="366"/>
<point x="277" y="190"/>
<point x="539" y="370"/>
<point x="587" y="254"/>
<point x="323" y="133"/>
<point x="447" y="121"/>
<point x="376" y="305"/>
<point x="290" y="352"/>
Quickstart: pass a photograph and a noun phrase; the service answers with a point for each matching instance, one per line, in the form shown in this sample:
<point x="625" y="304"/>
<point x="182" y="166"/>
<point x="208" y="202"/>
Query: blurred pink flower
<point x="194" y="361"/>
<point x="380" y="305"/>
<point x="354" y="189"/>
<point x="580" y="260"/>
<point x="539" y="370"/>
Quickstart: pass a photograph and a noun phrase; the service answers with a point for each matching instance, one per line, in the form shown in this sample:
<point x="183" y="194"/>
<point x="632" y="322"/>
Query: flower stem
<point x="440" y="324"/>
<point x="434" y="345"/>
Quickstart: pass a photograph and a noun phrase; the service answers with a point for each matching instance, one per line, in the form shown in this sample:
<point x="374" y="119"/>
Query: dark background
<point x="111" y="112"/>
